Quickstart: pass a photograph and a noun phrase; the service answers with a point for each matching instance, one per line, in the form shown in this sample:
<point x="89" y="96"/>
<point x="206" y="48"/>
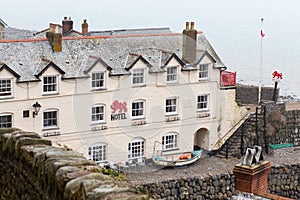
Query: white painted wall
<point x="75" y="100"/>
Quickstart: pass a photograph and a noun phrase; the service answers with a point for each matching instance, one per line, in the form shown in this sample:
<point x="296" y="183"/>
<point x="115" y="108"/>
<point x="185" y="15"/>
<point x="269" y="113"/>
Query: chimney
<point x="54" y="38"/>
<point x="189" y="43"/>
<point x="85" y="27"/>
<point x="67" y="25"/>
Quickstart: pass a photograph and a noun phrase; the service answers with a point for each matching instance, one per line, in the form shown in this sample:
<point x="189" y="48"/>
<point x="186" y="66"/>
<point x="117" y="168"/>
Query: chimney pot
<point x="192" y="25"/>
<point x="187" y="25"/>
<point x="85" y="27"/>
<point x="67" y="25"/>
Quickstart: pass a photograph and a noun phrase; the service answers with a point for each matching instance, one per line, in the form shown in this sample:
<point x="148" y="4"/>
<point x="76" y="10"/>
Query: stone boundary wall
<point x="31" y="168"/>
<point x="249" y="94"/>
<point x="283" y="181"/>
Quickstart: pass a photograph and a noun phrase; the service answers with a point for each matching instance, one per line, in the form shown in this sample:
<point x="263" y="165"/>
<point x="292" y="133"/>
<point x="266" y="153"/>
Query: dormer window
<point x="172" y="74"/>
<point x="50" y="85"/>
<point x="203" y="71"/>
<point x="5" y="88"/>
<point x="98" y="80"/>
<point x="138" y="77"/>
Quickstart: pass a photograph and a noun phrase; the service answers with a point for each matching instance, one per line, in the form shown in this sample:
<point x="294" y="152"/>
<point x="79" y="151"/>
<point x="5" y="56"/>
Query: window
<point x="25" y="113"/>
<point x="169" y="141"/>
<point x="98" y="80"/>
<point x="172" y="74"/>
<point x="203" y="71"/>
<point x="97" y="153"/>
<point x="137" y="110"/>
<point x="171" y="106"/>
<point x="202" y="102"/>
<point x="136" y="148"/>
<point x="5" y="88"/>
<point x="50" y="119"/>
<point x="138" y="77"/>
<point x="50" y="85"/>
<point x="6" y="121"/>
<point x="98" y="113"/>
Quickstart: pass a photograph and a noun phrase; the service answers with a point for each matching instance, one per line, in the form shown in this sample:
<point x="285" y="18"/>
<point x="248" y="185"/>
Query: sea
<point x="233" y="29"/>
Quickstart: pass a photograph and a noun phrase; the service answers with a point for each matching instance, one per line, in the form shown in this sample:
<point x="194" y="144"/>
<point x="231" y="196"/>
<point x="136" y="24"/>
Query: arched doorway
<point x="201" y="139"/>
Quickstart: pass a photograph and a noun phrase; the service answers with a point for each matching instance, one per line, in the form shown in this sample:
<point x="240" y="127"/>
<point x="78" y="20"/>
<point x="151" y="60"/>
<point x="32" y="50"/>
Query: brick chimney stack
<point x="54" y="38"/>
<point x="85" y="27"/>
<point x="189" y="43"/>
<point x="67" y="25"/>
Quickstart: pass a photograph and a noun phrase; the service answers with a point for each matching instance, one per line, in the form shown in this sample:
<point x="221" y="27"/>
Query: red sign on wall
<point x="228" y="79"/>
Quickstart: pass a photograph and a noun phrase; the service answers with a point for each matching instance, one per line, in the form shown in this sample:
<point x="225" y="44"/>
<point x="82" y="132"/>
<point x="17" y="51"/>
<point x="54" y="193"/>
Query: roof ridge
<point x="94" y="37"/>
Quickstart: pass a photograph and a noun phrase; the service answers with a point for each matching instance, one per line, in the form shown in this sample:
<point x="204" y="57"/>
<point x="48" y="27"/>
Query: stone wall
<point x="282" y="181"/>
<point x="285" y="180"/>
<point x="249" y="94"/>
<point x="31" y="168"/>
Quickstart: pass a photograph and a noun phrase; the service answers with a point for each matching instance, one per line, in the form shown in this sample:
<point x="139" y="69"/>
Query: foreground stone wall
<point x="282" y="180"/>
<point x="33" y="169"/>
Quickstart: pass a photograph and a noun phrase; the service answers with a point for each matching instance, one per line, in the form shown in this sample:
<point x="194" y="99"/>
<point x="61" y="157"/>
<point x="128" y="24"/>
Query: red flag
<point x="262" y="34"/>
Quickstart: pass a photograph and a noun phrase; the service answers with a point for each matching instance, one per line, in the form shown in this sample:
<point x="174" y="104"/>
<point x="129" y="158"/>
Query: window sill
<point x="50" y="128"/>
<point x="98" y="89"/>
<point x="138" y="118"/>
<point x="171" y="114"/>
<point x="139" y="85"/>
<point x="170" y="150"/>
<point x="6" y="97"/>
<point x="98" y="123"/>
<point x="50" y="94"/>
<point x="172" y="82"/>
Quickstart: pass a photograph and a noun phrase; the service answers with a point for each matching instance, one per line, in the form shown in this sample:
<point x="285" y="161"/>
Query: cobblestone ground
<point x="205" y="167"/>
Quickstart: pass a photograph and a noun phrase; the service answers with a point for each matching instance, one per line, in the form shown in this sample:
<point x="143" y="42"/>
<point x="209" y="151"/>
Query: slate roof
<point x="14" y="33"/>
<point x="78" y="56"/>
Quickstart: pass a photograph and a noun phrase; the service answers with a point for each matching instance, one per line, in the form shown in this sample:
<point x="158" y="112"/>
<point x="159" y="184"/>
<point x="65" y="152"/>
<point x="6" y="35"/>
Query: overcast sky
<point x="117" y="14"/>
<point x="232" y="26"/>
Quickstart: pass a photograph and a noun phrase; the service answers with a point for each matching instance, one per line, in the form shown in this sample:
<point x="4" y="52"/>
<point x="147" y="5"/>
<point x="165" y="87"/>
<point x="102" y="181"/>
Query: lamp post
<point x="36" y="108"/>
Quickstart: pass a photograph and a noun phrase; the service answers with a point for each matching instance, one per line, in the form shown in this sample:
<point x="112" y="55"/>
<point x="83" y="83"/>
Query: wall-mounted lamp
<point x="36" y="108"/>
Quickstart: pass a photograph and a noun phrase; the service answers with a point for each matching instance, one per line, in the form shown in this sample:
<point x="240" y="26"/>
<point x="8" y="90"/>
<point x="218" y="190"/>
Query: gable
<point x="4" y="68"/>
<point x="50" y="66"/>
<point x="139" y="60"/>
<point x="173" y="58"/>
<point x="97" y="63"/>
<point x="206" y="58"/>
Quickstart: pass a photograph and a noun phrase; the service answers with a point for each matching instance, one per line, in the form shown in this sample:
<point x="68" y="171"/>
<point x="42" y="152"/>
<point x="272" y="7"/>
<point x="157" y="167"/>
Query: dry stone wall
<point x="33" y="169"/>
<point x="283" y="181"/>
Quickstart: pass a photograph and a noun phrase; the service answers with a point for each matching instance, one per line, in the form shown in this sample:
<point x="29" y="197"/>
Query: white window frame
<point x="98" y="114"/>
<point x="4" y="123"/>
<point x="204" y="71"/>
<point x="50" y="118"/>
<point x="170" y="141"/>
<point x="55" y="84"/>
<point x="172" y="75"/>
<point x="96" y="82"/>
<point x="136" y="148"/>
<point x="169" y="104"/>
<point x="202" y="102"/>
<point x="138" y="74"/>
<point x="98" y="152"/>
<point x="140" y="110"/>
<point x="6" y="88"/>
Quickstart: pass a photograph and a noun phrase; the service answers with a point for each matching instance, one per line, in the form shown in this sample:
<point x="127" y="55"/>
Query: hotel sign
<point x="119" y="110"/>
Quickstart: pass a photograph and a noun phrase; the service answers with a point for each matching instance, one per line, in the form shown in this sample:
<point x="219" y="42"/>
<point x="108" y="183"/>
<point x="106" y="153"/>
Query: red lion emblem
<point x="277" y="75"/>
<point x="118" y="106"/>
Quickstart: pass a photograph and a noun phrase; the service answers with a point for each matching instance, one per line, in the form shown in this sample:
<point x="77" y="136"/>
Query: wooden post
<point x="275" y="88"/>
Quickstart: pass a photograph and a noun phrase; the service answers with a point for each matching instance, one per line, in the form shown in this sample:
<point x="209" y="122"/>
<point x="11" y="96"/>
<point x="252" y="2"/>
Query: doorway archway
<point x="201" y="139"/>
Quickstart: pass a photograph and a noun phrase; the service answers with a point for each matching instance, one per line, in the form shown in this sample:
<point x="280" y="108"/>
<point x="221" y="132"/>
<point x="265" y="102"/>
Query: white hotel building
<point x="111" y="97"/>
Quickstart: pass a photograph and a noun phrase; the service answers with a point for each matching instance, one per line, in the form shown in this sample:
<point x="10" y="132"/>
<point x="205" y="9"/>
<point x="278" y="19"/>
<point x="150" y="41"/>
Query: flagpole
<point x="260" y="64"/>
